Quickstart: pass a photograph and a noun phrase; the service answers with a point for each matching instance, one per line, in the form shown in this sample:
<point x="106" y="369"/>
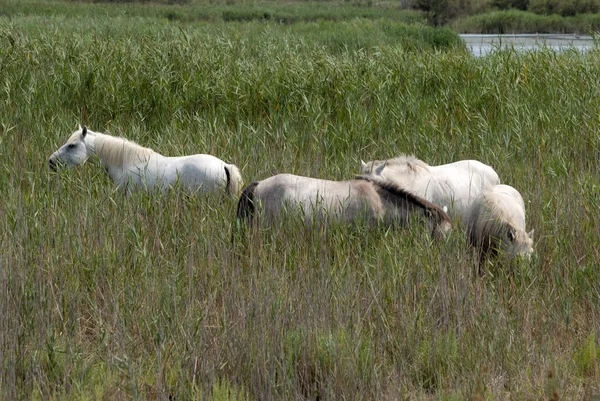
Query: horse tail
<point x="245" y="207"/>
<point x="234" y="179"/>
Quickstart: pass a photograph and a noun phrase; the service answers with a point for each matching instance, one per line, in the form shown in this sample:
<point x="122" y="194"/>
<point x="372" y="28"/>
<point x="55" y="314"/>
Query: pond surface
<point x="482" y="45"/>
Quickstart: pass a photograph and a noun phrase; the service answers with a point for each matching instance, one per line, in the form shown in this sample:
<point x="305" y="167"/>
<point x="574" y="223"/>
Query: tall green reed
<point x="145" y="296"/>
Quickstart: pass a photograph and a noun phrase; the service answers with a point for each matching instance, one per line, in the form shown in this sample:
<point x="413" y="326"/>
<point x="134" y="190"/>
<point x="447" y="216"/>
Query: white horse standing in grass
<point x="495" y="222"/>
<point x="452" y="186"/>
<point x="131" y="165"/>
<point x="319" y="201"/>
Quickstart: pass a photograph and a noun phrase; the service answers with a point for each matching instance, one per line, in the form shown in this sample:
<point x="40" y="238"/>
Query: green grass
<point x="281" y="12"/>
<point x="514" y="21"/>
<point x="109" y="296"/>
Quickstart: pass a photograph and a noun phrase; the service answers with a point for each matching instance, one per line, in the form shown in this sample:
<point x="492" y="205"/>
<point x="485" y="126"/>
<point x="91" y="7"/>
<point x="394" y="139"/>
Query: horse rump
<point x="234" y="179"/>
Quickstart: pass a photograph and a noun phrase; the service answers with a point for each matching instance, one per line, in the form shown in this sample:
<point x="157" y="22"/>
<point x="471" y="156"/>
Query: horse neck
<point x="402" y="199"/>
<point x="117" y="152"/>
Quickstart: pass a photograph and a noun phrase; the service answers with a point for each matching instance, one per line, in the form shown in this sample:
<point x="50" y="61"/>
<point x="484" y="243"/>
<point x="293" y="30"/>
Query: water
<point x="482" y="45"/>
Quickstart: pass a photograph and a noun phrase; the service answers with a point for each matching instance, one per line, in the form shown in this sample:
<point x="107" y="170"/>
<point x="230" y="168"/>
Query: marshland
<point x="106" y="295"/>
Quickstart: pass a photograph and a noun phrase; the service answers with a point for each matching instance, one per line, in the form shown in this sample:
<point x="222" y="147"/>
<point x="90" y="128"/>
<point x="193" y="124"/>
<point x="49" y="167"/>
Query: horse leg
<point x="483" y="251"/>
<point x="481" y="263"/>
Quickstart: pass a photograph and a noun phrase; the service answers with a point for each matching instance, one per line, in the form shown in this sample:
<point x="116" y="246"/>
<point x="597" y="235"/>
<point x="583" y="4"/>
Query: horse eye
<point x="71" y="146"/>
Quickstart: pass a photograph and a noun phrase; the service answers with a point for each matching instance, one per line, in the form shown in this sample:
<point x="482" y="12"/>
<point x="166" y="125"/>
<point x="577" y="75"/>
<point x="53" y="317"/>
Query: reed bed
<point x="108" y="296"/>
<point x="515" y="21"/>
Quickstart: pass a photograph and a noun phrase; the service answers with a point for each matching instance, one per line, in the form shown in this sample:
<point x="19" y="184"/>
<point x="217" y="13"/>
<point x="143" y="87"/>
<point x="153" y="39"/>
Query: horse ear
<point x="379" y="169"/>
<point x="84" y="131"/>
<point x="363" y="164"/>
<point x="530" y="233"/>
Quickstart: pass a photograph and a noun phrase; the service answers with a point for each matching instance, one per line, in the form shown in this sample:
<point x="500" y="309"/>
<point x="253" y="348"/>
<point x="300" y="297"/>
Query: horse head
<point x="74" y="152"/>
<point x="519" y="243"/>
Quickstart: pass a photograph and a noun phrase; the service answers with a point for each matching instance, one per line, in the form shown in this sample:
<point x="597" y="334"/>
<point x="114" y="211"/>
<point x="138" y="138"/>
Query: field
<point x="108" y="296"/>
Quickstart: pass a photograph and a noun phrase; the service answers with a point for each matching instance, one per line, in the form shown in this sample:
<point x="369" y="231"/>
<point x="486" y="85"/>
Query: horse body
<point x="316" y="197"/>
<point x="454" y="185"/>
<point x="131" y="165"/>
<point x="496" y="221"/>
<point x="160" y="172"/>
<point x="346" y="201"/>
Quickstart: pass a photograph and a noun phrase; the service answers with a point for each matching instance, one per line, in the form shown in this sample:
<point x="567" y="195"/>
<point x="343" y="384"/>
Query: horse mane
<point x="410" y="161"/>
<point x="481" y="226"/>
<point x="398" y="191"/>
<point x="119" y="151"/>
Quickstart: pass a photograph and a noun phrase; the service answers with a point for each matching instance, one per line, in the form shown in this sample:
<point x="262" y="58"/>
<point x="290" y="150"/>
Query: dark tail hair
<point x="228" y="182"/>
<point x="245" y="207"/>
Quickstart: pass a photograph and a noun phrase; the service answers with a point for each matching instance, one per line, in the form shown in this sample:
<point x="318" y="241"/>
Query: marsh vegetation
<point x="107" y="296"/>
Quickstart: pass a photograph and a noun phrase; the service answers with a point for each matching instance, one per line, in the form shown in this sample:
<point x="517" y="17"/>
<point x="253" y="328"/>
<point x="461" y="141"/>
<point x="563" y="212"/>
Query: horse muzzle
<point x="53" y="164"/>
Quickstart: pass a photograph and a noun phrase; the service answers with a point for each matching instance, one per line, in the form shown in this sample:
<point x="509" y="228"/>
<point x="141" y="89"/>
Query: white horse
<point x="452" y="186"/>
<point x="345" y="201"/>
<point x="131" y="165"/>
<point x="495" y="221"/>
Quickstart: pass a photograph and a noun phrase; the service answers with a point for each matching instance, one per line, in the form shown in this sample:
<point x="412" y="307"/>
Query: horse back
<point x="316" y="198"/>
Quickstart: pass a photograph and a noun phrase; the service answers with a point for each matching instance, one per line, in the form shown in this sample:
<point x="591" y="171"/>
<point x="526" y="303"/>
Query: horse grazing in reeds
<point x="452" y="186"/>
<point x="131" y="165"/>
<point x="495" y="222"/>
<point x="318" y="201"/>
